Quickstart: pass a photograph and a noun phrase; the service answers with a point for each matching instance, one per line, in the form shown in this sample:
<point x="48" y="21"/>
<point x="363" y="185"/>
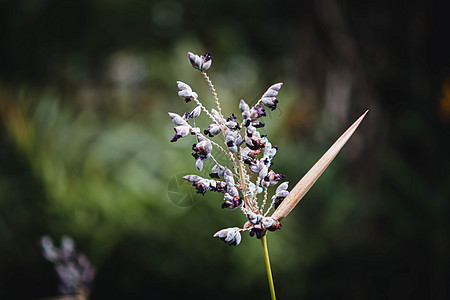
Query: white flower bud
<point x="182" y="131"/>
<point x="216" y="116"/>
<point x="254" y="218"/>
<point x="269" y="97"/>
<point x="231" y="236"/>
<point x="217" y="171"/>
<point x="282" y="187"/>
<point x="199" y="164"/>
<point x="177" y="119"/>
<point x="228" y="176"/>
<point x="268" y="222"/>
<point x="192" y="178"/>
<point x="243" y="106"/>
<point x="195" y="130"/>
<point x="212" y="130"/>
<point x="186" y="91"/>
<point x="48" y="249"/>
<point x="195" y="113"/>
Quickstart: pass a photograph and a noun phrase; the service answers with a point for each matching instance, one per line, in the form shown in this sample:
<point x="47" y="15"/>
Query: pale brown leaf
<point x="303" y="186"/>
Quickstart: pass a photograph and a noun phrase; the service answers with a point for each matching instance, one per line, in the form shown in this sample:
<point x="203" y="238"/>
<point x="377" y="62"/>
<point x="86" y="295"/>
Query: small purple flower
<point x="180" y="131"/>
<point x="212" y="130"/>
<point x="257" y="112"/>
<point x="232" y="202"/>
<point x="201" y="63"/>
<point x="254" y="218"/>
<point x="202" y="150"/>
<point x="272" y="178"/>
<point x="177" y="119"/>
<point x="231" y="236"/>
<point x="202" y="185"/>
<point x="74" y="270"/>
<point x="257" y="230"/>
<point x="217" y="172"/>
<point x="280" y="194"/>
<point x="231" y="123"/>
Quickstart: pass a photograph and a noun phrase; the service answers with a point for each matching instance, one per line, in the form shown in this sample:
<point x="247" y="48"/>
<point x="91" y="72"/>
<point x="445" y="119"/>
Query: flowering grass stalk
<point x="246" y="178"/>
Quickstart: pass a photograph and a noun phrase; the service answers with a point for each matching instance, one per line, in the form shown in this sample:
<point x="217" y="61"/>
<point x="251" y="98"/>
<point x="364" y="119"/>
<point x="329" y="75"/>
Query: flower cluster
<point x="74" y="270"/>
<point x="247" y="175"/>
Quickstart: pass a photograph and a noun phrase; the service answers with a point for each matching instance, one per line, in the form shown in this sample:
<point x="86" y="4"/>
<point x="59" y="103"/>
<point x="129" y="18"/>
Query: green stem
<point x="268" y="270"/>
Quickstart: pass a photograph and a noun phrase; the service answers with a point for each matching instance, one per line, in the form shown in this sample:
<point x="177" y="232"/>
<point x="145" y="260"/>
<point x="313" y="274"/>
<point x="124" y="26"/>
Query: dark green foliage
<point x="85" y="151"/>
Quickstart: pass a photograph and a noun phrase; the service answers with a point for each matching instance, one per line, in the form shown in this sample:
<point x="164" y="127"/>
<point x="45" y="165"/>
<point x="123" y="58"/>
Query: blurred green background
<point x="85" y="87"/>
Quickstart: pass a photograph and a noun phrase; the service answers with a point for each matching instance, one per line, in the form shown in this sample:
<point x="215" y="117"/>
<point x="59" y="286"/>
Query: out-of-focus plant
<point x="246" y="174"/>
<point x="74" y="270"/>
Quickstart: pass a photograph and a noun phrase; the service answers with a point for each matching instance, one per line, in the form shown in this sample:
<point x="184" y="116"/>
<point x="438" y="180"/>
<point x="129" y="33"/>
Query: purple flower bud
<point x="258" y="124"/>
<point x="249" y="156"/>
<point x="232" y="125"/>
